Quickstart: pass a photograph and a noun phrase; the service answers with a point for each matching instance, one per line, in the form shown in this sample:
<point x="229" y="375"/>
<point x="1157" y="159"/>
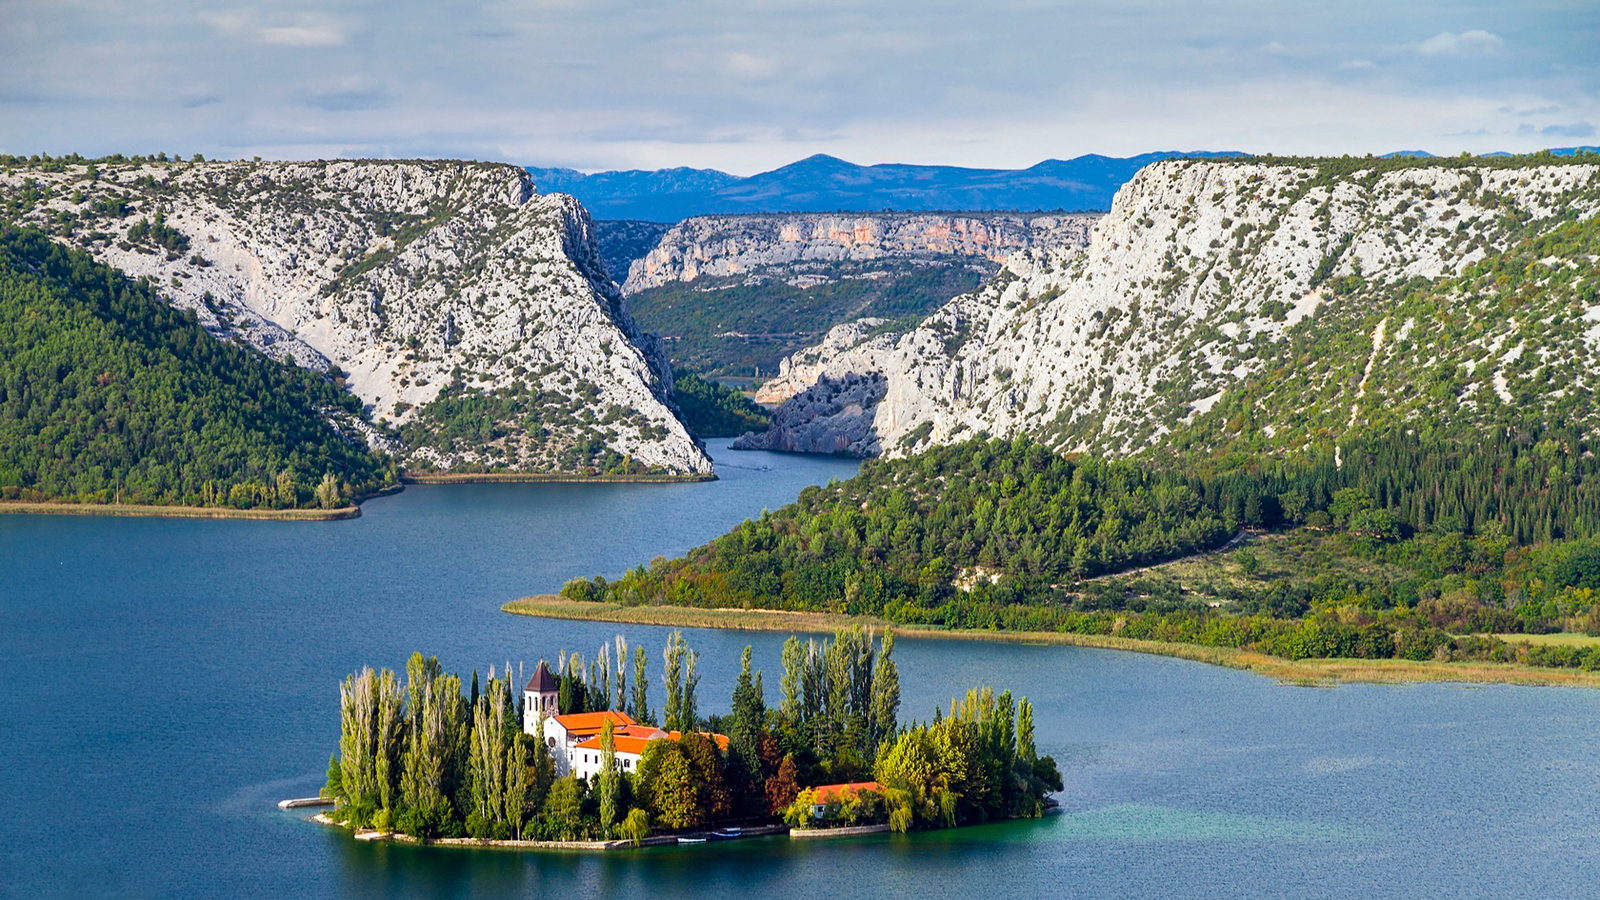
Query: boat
<point x="691" y="840"/>
<point x="727" y="834"/>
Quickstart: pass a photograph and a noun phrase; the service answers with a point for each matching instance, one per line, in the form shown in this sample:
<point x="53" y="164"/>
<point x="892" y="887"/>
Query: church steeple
<point x="539" y="697"/>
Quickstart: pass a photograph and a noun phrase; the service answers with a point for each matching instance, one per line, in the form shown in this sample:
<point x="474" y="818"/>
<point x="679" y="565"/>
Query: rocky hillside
<point x="1259" y="304"/>
<point x="763" y="247"/>
<point x="732" y="295"/>
<point x="455" y="301"/>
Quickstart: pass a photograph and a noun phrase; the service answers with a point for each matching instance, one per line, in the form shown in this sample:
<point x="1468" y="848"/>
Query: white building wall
<point x="586" y="762"/>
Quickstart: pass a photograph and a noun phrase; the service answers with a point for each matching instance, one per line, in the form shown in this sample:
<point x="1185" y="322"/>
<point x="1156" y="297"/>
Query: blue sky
<point x="745" y="86"/>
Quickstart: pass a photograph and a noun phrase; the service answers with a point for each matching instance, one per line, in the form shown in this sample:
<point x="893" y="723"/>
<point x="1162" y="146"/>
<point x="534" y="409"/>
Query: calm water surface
<point x="165" y="682"/>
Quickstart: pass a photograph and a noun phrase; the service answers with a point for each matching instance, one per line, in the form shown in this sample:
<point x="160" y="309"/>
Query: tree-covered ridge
<point x="1333" y="167"/>
<point x="745" y="324"/>
<point x="1008" y="534"/>
<point x="712" y="409"/>
<point x="108" y="393"/>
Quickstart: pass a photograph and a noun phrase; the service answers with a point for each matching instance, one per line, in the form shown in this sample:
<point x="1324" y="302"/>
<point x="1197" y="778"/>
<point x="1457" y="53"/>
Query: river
<point x="165" y="681"/>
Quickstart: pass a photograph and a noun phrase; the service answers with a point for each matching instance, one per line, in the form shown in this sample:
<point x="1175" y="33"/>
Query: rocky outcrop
<point x="428" y="284"/>
<point x="831" y="416"/>
<point x="773" y="245"/>
<point x="800" y="371"/>
<point x="1250" y="289"/>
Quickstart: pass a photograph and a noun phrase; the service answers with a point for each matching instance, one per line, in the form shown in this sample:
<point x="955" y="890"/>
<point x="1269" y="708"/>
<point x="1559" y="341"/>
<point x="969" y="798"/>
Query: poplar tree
<point x="691" y="681"/>
<point x="371" y="720"/>
<point x="744" y="757"/>
<point x="641" y="686"/>
<point x="488" y="764"/>
<point x="885" y="711"/>
<point x="794" y="661"/>
<point x="426" y="774"/>
<point x="621" y="701"/>
<point x="608" y="787"/>
<point x="1026" y="750"/>
<point x="516" y="802"/>
<point x="672" y="676"/>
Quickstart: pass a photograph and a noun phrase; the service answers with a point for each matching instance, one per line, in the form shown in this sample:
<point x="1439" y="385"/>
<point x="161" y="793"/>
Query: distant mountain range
<point x="824" y="183"/>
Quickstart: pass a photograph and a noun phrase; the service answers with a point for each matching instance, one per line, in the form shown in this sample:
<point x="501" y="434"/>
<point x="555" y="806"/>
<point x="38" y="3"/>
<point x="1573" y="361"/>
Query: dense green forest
<point x="730" y="326"/>
<point x="711" y="409"/>
<point x="1491" y="532"/>
<point x="107" y="394"/>
<point x="428" y="761"/>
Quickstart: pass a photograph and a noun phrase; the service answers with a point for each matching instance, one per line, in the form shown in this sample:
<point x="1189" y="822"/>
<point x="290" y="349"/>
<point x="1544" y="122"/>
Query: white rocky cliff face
<point x="721" y="246"/>
<point x="1200" y="273"/>
<point x="423" y="281"/>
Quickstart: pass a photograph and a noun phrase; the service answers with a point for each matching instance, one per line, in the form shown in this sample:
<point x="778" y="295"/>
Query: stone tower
<point x="539" y="697"/>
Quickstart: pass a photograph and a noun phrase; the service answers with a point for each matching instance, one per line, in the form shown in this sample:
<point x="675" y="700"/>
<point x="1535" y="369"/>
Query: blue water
<point x="164" y="682"/>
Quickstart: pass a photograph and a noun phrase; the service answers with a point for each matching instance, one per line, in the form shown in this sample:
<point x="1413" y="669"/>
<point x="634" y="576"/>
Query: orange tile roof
<point x="721" y="739"/>
<point x="592" y="722"/>
<point x="639" y="735"/>
<point x="826" y="792"/>
<point x="639" y="731"/>
<point x="624" y="744"/>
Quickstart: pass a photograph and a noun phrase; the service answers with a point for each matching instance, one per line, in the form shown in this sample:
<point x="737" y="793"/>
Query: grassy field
<point x="177" y="512"/>
<point x="1556" y="640"/>
<point x="1278" y="556"/>
<point x="1302" y="672"/>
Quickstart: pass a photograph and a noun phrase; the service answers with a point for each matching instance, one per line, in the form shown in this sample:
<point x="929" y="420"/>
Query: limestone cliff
<point x="779" y="246"/>
<point x="461" y="305"/>
<point x="1274" y="303"/>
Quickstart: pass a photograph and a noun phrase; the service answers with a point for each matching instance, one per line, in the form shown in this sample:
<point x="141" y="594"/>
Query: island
<point x="580" y="759"/>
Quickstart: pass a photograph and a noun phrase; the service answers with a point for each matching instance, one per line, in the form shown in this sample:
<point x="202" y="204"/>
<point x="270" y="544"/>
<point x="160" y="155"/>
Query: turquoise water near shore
<point x="167" y="681"/>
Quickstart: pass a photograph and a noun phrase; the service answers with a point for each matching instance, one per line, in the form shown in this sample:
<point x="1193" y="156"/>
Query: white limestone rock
<point x="409" y="276"/>
<point x="1199" y="270"/>
<point x="753" y="244"/>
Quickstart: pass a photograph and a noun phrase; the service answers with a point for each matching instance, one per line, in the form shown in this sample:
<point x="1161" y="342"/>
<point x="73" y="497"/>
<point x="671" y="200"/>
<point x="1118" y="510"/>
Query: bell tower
<point x="539" y="697"/>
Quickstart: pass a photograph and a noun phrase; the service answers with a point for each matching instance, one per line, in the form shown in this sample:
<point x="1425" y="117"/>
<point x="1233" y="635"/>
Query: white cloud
<point x="304" y="30"/>
<point x="749" y="65"/>
<point x="1476" y="42"/>
<point x="1358" y="64"/>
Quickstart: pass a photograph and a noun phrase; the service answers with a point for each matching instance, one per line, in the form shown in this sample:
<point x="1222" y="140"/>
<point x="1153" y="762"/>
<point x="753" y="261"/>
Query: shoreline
<point x="1306" y="672"/>
<point x="58" y="508"/>
<point x="659" y="840"/>
<point x="549" y="478"/>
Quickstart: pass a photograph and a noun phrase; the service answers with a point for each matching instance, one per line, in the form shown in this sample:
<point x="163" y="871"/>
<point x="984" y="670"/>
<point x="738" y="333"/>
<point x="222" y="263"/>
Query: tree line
<point x="1010" y="534"/>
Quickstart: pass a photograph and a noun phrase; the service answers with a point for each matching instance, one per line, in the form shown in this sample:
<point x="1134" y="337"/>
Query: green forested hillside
<point x="107" y="394"/>
<point x="711" y="409"/>
<point x="736" y="326"/>
<point x="1493" y="531"/>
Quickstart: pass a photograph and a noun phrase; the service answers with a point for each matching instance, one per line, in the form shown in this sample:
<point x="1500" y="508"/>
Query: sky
<point x="749" y="85"/>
